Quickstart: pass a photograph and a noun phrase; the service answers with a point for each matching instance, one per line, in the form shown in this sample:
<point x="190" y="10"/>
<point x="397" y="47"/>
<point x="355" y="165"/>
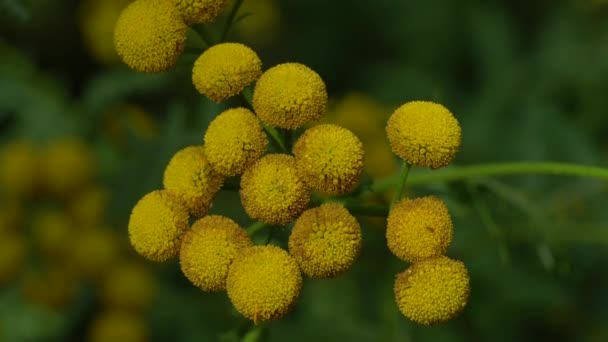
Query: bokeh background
<point x="83" y="138"/>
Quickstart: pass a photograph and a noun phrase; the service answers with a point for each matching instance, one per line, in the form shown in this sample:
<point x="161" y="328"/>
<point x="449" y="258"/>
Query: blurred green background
<point x="83" y="138"/>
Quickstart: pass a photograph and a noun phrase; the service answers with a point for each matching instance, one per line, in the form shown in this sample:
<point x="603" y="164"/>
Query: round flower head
<point x="289" y="95"/>
<point x="52" y="231"/>
<point x="234" y="141"/>
<point x="150" y="35"/>
<point x="88" y="207"/>
<point x="264" y="283"/>
<point x="432" y="291"/>
<point x="128" y="286"/>
<point x="94" y="251"/>
<point x="118" y="326"/>
<point x="190" y="176"/>
<point x="419" y="228"/>
<point x="97" y="21"/>
<point x="224" y="70"/>
<point x="329" y="158"/>
<point x="69" y="165"/>
<point x="157" y="224"/>
<point x="424" y="134"/>
<point x="325" y="241"/>
<point x="19" y="169"/>
<point x="200" y="11"/>
<point x="209" y="248"/>
<point x="272" y="191"/>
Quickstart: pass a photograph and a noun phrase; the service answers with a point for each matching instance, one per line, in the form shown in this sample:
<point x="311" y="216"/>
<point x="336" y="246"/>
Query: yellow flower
<point x="419" y="228"/>
<point x="118" y="326"/>
<point x="94" y="251"/>
<point x="69" y="165"/>
<point x="234" y="141"/>
<point x="190" y="176"/>
<point x="97" y="20"/>
<point x="224" y="70"/>
<point x="263" y="27"/>
<point x="272" y="191"/>
<point x="329" y="159"/>
<point x="51" y="287"/>
<point x="13" y="248"/>
<point x="128" y="286"/>
<point x="424" y="134"/>
<point x="11" y="216"/>
<point x="264" y="283"/>
<point x="52" y="231"/>
<point x="432" y="291"/>
<point x="209" y="248"/>
<point x="126" y="120"/>
<point x="288" y="95"/>
<point x="19" y="168"/>
<point x="150" y="35"/>
<point x="88" y="207"/>
<point x="157" y="224"/>
<point x="200" y="11"/>
<point x="325" y="241"/>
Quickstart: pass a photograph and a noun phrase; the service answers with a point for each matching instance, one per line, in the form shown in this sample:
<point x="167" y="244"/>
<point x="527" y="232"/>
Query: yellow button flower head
<point x="118" y="326"/>
<point x="272" y="191"/>
<point x="264" y="283"/>
<point x="128" y="286"/>
<point x="424" y="134"/>
<point x="19" y="168"/>
<point x="13" y="248"/>
<point x="190" y="176"/>
<point x="200" y="11"/>
<point x="289" y="95"/>
<point x="157" y="224"/>
<point x="150" y="35"/>
<point x="419" y="228"/>
<point x="224" y="70"/>
<point x="234" y="141"/>
<point x="329" y="159"/>
<point x="325" y="241"/>
<point x="433" y="291"/>
<point x="69" y="165"/>
<point x="209" y="248"/>
<point x="97" y="21"/>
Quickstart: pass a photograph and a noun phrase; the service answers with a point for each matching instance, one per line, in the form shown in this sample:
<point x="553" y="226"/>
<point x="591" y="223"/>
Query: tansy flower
<point x="190" y="176"/>
<point x="424" y="134"/>
<point x="150" y="35"/>
<point x="325" y="241"/>
<point x="272" y="191"/>
<point x="19" y="168"/>
<point x="262" y="28"/>
<point x="432" y="291"/>
<point x="234" y="141"/>
<point x="157" y="224"/>
<point x="208" y="250"/>
<point x="88" y="207"/>
<point x="13" y="249"/>
<point x="128" y="286"/>
<point x="224" y="70"/>
<point x="52" y="231"/>
<point x="118" y="325"/>
<point x="419" y="228"/>
<point x="97" y="21"/>
<point x="69" y="165"/>
<point x="264" y="283"/>
<point x="288" y="95"/>
<point x="329" y="159"/>
<point x="200" y="11"/>
<point x="94" y="251"/>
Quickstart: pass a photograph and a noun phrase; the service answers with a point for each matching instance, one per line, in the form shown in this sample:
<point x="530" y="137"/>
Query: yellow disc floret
<point x="289" y="95"/>
<point x="325" y="241"/>
<point x="272" y="191"/>
<point x="329" y="159"/>
<point x="19" y="168"/>
<point x="190" y="176"/>
<point x="419" y="228"/>
<point x="234" y="141"/>
<point x="118" y="326"/>
<point x="157" y="224"/>
<point x="264" y="283"/>
<point x="424" y="134"/>
<point x="150" y="35"/>
<point x="209" y="248"/>
<point x="224" y="70"/>
<point x="129" y="286"/>
<point x="200" y="11"/>
<point x="69" y="165"/>
<point x="432" y="291"/>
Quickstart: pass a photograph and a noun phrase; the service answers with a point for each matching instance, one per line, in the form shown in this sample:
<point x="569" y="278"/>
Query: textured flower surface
<point x="19" y="168"/>
<point x="289" y="95"/>
<point x="272" y="191"/>
<point x="432" y="291"/>
<point x="329" y="159"/>
<point x="209" y="248"/>
<point x="225" y="69"/>
<point x="264" y="283"/>
<point x="325" y="241"/>
<point x="69" y="164"/>
<point x="424" y="134"/>
<point x="157" y="224"/>
<point x="118" y="326"/>
<point x="200" y="11"/>
<point x="128" y="286"/>
<point x="150" y="35"/>
<point x="234" y="141"/>
<point x="419" y="228"/>
<point x="190" y="176"/>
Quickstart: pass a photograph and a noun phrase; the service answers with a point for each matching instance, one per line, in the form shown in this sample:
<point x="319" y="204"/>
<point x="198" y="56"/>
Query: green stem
<point x="256" y="227"/>
<point x="405" y="171"/>
<point x="202" y="33"/>
<point x="454" y="174"/>
<point x="233" y="11"/>
<point x="367" y="210"/>
<point x="247" y="95"/>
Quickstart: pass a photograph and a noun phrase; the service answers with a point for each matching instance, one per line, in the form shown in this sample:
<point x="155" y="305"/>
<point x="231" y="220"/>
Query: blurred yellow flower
<point x="262" y="27"/>
<point x="97" y="20"/>
<point x="200" y="11"/>
<point x="51" y="287"/>
<point x="129" y="119"/>
<point x="128" y="286"/>
<point x="19" y="168"/>
<point x="88" y="207"/>
<point x="13" y="254"/>
<point x="118" y="326"/>
<point x="94" y="251"/>
<point x="69" y="165"/>
<point x="11" y="215"/>
<point x="53" y="233"/>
